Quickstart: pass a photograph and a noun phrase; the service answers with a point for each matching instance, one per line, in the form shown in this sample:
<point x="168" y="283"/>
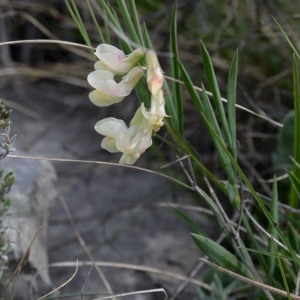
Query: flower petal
<point x="102" y="99"/>
<point x="106" y="48"/>
<point x="115" y="60"/>
<point x="96" y="78"/>
<point x="129" y="159"/>
<point x="141" y="119"/>
<point x="109" y="144"/>
<point x="110" y="63"/>
<point x="135" y="57"/>
<point x="111" y="127"/>
<point x="158" y="104"/>
<point x="107" y="90"/>
<point x="130" y="80"/>
<point x="134" y="140"/>
<point x="157" y="112"/>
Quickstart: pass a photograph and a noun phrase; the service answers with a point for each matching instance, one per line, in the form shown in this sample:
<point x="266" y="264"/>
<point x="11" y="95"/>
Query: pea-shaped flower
<point x="132" y="141"/>
<point x="112" y="129"/>
<point x="107" y="90"/>
<point x="115" y="60"/>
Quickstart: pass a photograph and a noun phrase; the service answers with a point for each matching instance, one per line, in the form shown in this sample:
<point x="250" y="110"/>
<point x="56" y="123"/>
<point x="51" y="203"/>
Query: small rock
<point x="32" y="197"/>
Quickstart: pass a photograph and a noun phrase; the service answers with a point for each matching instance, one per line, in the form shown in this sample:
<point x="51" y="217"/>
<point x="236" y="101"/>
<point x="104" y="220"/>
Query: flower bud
<point x="155" y="77"/>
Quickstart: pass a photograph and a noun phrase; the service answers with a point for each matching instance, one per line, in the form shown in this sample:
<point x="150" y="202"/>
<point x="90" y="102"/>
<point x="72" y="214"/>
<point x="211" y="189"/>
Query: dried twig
<point x="62" y="285"/>
<point x="135" y="268"/>
<point x="250" y="281"/>
<point x="136" y="293"/>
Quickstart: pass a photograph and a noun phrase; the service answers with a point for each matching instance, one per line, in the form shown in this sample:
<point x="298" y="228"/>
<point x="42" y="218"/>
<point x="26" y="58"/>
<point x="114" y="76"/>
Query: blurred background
<point x="122" y="214"/>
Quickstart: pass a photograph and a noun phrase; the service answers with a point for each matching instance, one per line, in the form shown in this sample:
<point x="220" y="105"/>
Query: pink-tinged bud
<point x="155" y="77"/>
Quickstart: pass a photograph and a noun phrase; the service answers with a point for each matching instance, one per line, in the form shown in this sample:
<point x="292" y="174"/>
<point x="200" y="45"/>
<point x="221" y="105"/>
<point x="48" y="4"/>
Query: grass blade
<point x="272" y="230"/>
<point x="281" y="271"/>
<point x="110" y="17"/>
<point x="136" y="22"/>
<point x="295" y="183"/>
<point x="212" y="80"/>
<point x="78" y="20"/>
<point x="95" y="22"/>
<point x="191" y="88"/>
<point x="231" y="102"/>
<point x="288" y="40"/>
<point x="211" y="118"/>
<point x="296" y="155"/>
<point x="146" y="37"/>
<point x="176" y="70"/>
<point x="128" y="21"/>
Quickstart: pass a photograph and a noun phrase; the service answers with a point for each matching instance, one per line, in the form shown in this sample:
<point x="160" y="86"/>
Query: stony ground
<point x="101" y="213"/>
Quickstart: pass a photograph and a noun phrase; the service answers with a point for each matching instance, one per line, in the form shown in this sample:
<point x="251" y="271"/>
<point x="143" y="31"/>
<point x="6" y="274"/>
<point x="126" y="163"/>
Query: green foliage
<point x="6" y="182"/>
<point x="294" y="196"/>
<point x="176" y="71"/>
<point x="219" y="292"/>
<point x="220" y="255"/>
<point x="285" y="144"/>
<point x="284" y="150"/>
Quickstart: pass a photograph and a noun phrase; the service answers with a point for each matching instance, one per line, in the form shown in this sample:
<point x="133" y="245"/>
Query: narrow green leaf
<point x="136" y="22"/>
<point x="211" y="118"/>
<point x="110" y="17"/>
<point x="293" y="236"/>
<point x="267" y="253"/>
<point x="272" y="230"/>
<point x="221" y="256"/>
<point x="170" y="107"/>
<point x="262" y="260"/>
<point x="78" y="20"/>
<point x="142" y="93"/>
<point x="146" y="37"/>
<point x="281" y="270"/>
<point x="200" y="108"/>
<point x="190" y="87"/>
<point x="95" y="22"/>
<point x="175" y="69"/>
<point x="231" y="102"/>
<point x="288" y="40"/>
<point x="296" y="155"/>
<point x="128" y="21"/>
<point x="295" y="184"/>
<point x="212" y="80"/>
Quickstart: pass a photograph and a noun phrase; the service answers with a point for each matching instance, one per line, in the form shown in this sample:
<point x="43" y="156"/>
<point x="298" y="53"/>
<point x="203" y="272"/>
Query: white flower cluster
<point x="132" y="141"/>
